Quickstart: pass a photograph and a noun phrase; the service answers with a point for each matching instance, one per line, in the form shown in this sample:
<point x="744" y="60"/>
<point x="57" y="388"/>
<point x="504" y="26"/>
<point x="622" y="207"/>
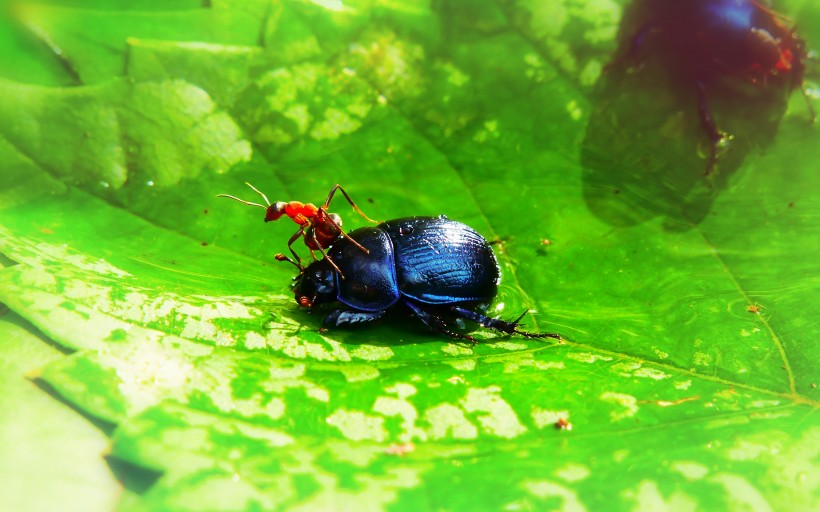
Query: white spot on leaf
<point x="358" y="426"/>
<point x="544" y="489"/>
<point x="628" y="405"/>
<point x="495" y="414"/>
<point x="448" y="421"/>
<point x="690" y="470"/>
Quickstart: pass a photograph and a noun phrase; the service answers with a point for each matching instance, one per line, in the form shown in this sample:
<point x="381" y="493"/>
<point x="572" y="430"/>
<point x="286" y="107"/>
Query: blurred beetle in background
<point x="704" y="42"/>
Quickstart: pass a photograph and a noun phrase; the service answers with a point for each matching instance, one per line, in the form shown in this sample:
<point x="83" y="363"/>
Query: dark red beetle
<point x="704" y="42"/>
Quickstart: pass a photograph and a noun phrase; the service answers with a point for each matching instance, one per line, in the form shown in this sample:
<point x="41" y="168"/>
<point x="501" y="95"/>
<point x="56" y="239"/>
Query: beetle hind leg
<point x="437" y="324"/>
<point x="718" y="141"/>
<point x="501" y="325"/>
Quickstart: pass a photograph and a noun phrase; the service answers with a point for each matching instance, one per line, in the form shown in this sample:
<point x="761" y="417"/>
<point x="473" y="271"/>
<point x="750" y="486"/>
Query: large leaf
<point x="117" y="134"/>
<point x="50" y="453"/>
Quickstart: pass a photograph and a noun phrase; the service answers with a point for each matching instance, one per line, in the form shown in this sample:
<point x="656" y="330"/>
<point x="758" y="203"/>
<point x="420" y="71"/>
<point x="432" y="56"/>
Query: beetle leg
<point x="358" y="210"/>
<point x="436" y="324"/>
<point x="341" y="317"/>
<point x="707" y="122"/>
<point x="501" y="325"/>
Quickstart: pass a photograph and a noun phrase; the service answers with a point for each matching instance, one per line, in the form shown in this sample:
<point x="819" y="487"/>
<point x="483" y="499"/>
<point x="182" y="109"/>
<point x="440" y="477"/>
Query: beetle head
<point x="316" y="285"/>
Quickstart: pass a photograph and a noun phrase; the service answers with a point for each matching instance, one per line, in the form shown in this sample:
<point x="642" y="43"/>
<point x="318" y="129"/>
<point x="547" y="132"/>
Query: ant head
<point x="275" y="211"/>
<point x="272" y="211"/>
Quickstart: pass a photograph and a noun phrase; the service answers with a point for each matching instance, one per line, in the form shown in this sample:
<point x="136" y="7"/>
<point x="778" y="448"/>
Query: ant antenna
<point x="282" y="257"/>
<point x="267" y="202"/>
<point x="243" y="201"/>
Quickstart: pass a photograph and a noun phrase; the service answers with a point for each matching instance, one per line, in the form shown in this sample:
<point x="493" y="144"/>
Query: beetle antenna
<point x="282" y="257"/>
<point x="267" y="201"/>
<point x="243" y="201"/>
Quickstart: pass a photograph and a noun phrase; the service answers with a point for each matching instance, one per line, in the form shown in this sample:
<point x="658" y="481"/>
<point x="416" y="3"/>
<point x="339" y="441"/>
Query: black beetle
<point x="433" y="266"/>
<point x="706" y="42"/>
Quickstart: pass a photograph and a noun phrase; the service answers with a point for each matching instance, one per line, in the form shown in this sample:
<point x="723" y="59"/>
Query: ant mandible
<point x="317" y="226"/>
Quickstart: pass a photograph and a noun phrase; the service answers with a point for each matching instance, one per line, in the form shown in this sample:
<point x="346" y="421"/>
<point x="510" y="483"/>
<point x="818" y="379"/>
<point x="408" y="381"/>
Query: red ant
<point x="317" y="226"/>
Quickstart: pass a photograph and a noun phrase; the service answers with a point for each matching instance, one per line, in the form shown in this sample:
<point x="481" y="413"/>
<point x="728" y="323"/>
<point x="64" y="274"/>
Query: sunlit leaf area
<point x="152" y="355"/>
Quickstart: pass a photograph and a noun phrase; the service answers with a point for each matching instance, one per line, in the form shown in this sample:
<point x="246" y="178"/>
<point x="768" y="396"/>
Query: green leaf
<point x="183" y="332"/>
<point x="51" y="455"/>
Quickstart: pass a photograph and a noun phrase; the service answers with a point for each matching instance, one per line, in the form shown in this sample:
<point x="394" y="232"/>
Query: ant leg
<point x="299" y="233"/>
<point x="342" y="231"/>
<point x="324" y="254"/>
<point x="332" y="264"/>
<point x="501" y="325"/>
<point x="437" y="324"/>
<point x="772" y="13"/>
<point x="282" y="257"/>
<point x="707" y="122"/>
<point x="358" y="210"/>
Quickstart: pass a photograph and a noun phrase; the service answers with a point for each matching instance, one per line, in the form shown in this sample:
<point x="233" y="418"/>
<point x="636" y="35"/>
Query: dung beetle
<point x="434" y="267"/>
<point x="704" y="43"/>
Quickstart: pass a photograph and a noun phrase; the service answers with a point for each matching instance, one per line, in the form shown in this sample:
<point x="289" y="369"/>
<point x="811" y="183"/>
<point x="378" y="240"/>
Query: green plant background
<point x="155" y="312"/>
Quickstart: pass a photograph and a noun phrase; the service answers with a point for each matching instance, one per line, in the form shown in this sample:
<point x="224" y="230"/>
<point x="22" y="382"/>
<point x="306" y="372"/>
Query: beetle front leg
<point x="436" y="324"/>
<point x="501" y="325"/>
<point x="342" y="317"/>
